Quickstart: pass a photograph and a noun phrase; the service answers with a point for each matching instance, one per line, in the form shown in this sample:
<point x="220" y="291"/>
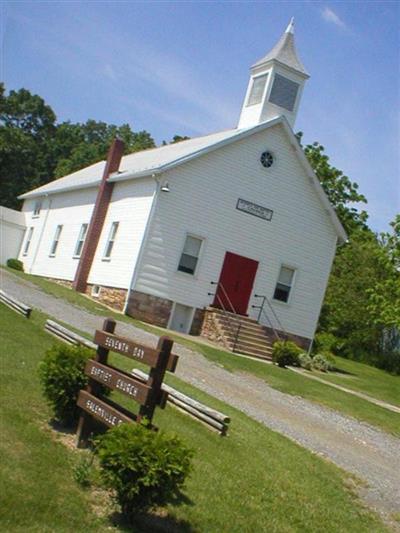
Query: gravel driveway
<point x="369" y="453"/>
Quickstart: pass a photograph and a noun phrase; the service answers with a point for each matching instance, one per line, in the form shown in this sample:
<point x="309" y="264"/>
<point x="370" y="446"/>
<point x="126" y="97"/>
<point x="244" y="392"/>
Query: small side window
<point x="56" y="240"/>
<point x="190" y="255"/>
<point x="81" y="240"/>
<point x="28" y="241"/>
<point x="284" y="284"/>
<point x="36" y="209"/>
<point x="96" y="289"/>
<point x="111" y="240"/>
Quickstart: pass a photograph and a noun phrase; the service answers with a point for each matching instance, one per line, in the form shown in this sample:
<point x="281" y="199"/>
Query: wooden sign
<point x="144" y="354"/>
<point x="149" y="395"/>
<point x="101" y="410"/>
<point x="116" y="380"/>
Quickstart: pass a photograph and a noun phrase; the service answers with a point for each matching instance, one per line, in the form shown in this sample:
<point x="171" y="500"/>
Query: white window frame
<point x="37" y="208"/>
<point x="196" y="269"/>
<point x="28" y="241"/>
<point x="254" y="80"/>
<point x="56" y="240"/>
<point x="110" y="240"/>
<point x="81" y="239"/>
<point x="96" y="290"/>
<point x="294" y="269"/>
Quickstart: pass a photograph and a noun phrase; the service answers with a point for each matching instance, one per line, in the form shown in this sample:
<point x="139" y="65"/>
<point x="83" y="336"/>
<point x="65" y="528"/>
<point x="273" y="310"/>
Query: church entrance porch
<point x="235" y="283"/>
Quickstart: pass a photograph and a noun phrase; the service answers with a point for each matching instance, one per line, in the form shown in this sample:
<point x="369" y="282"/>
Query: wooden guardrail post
<point x="85" y="425"/>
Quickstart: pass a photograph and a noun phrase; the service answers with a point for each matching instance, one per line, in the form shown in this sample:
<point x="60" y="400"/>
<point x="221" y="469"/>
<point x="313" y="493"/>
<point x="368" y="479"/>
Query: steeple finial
<point x="290" y="28"/>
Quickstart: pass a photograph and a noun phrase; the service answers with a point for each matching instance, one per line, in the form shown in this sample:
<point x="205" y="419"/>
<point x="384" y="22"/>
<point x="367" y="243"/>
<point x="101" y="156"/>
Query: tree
<point x="80" y="145"/>
<point x="342" y="193"/>
<point x="34" y="149"/>
<point x="27" y="129"/>
<point x="176" y="139"/>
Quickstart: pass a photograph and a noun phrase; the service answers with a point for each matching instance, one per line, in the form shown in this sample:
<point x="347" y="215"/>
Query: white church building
<point x="192" y="235"/>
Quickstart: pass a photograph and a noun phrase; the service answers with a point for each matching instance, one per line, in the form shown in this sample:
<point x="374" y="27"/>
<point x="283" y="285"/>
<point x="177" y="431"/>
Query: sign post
<point x="149" y="395"/>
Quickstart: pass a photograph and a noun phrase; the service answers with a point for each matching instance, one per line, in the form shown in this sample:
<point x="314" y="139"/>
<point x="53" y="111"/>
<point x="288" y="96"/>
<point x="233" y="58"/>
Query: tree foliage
<point x="27" y="127"/>
<point x="35" y="149"/>
<point x="362" y="301"/>
<point x="341" y="191"/>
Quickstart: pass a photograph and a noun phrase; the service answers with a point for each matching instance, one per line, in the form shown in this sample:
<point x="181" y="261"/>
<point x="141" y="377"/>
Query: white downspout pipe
<point x="41" y="233"/>
<point x="143" y="243"/>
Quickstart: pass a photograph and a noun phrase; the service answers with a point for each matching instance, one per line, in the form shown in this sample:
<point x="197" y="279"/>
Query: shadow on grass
<point x="344" y="372"/>
<point x="157" y="522"/>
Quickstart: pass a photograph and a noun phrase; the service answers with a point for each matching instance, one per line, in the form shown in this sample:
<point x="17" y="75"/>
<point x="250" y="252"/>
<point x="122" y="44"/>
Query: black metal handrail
<point x="235" y="329"/>
<point x="262" y="312"/>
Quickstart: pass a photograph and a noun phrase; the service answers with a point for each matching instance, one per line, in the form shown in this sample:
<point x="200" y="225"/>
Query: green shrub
<point x="62" y="377"/>
<point x="319" y="362"/>
<point x="16" y="264"/>
<point x="83" y="470"/>
<point x="327" y="342"/>
<point x="143" y="468"/>
<point x="305" y="361"/>
<point x="285" y="353"/>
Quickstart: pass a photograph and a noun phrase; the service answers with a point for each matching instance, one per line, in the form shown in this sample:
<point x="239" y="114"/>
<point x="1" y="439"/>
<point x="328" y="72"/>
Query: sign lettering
<point x="117" y="380"/>
<point x="132" y="350"/>
<point x="254" y="209"/>
<point x="101" y="410"/>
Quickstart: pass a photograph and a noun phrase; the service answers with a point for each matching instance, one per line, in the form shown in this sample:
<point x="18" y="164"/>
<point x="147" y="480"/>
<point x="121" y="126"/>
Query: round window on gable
<point x="267" y="159"/>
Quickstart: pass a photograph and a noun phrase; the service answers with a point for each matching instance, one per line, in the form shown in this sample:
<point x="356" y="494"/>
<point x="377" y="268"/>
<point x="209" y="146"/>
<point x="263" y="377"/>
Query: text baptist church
<point x="147" y="233"/>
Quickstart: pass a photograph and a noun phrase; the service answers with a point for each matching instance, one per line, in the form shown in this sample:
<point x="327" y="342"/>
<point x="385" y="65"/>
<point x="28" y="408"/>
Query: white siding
<point x="130" y="206"/>
<point x="203" y="201"/>
<point x="71" y="210"/>
<point x="12" y="230"/>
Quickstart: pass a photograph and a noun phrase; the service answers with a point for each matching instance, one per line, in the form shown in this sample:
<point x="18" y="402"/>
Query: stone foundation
<point x="210" y="329"/>
<point x="303" y="342"/>
<point x="149" y="308"/>
<point x="197" y="323"/>
<point x="110" y="296"/>
<point x="114" y="298"/>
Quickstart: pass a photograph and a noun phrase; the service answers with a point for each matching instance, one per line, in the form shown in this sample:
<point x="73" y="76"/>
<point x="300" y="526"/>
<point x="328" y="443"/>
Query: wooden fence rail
<point x="67" y="335"/>
<point x="15" y="304"/>
<point x="210" y="417"/>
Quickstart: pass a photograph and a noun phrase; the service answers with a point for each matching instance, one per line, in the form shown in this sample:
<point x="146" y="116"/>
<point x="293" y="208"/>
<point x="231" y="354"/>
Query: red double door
<point x="235" y="283"/>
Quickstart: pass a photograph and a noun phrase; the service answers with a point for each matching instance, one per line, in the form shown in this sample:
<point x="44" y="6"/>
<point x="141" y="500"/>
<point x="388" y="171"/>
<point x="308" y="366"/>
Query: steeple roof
<point x="285" y="52"/>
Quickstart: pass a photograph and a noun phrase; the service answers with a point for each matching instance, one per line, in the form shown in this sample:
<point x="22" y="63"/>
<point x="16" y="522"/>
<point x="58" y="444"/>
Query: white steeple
<point x="276" y="83"/>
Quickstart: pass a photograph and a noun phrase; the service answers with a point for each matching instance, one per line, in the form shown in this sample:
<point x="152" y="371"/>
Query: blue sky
<point x="182" y="67"/>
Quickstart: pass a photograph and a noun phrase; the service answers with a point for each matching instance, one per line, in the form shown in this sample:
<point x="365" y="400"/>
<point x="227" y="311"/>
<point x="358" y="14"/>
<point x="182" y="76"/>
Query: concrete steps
<point x="252" y="340"/>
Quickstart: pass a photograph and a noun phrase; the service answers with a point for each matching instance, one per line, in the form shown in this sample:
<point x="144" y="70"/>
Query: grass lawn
<point x="357" y="376"/>
<point x="252" y="480"/>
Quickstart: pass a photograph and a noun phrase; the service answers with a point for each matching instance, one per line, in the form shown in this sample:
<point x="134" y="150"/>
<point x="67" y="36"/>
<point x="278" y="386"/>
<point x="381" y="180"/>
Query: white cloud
<point x="110" y="72"/>
<point x="330" y="16"/>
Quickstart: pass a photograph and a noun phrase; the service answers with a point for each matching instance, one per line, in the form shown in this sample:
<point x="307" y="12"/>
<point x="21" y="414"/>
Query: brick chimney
<point x="98" y="216"/>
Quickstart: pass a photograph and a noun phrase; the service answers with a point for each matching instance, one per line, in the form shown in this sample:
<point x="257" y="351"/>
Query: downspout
<point x="41" y="233"/>
<point x="143" y="243"/>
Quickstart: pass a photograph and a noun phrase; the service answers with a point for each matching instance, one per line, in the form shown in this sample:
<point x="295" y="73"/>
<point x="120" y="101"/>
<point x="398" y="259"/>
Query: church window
<point x="190" y="255"/>
<point x="56" y="240"/>
<point x="36" y="209"/>
<point x="284" y="92"/>
<point x="28" y="241"/>
<point x="257" y="90"/>
<point x="284" y="284"/>
<point x="81" y="240"/>
<point x="111" y="240"/>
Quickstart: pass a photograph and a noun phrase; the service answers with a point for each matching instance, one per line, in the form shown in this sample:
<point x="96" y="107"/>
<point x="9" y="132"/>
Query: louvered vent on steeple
<point x="284" y="92"/>
<point x="275" y="85"/>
